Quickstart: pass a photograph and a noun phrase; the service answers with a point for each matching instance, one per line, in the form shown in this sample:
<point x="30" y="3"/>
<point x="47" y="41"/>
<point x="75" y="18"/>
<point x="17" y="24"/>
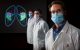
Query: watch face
<point x="15" y="13"/>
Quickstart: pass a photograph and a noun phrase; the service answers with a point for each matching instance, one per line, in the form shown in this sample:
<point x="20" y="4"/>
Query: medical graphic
<point x="15" y="12"/>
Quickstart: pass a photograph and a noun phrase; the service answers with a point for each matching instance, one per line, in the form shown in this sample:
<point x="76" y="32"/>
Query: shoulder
<point x="43" y="22"/>
<point x="73" y="27"/>
<point x="74" y="30"/>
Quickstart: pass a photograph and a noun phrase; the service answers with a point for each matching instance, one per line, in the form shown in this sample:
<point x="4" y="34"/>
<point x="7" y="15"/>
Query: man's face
<point x="57" y="13"/>
<point x="36" y="13"/>
<point x="56" y="8"/>
<point x="30" y="12"/>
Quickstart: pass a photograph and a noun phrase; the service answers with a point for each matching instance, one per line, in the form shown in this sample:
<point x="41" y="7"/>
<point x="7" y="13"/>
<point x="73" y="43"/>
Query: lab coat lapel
<point x="62" y="33"/>
<point x="50" y="39"/>
<point x="65" y="28"/>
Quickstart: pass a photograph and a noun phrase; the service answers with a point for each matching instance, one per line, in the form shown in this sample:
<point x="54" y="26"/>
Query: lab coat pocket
<point x="68" y="45"/>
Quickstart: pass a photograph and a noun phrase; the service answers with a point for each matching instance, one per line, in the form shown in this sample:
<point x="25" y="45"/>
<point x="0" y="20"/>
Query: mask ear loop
<point x="25" y="18"/>
<point x="7" y="13"/>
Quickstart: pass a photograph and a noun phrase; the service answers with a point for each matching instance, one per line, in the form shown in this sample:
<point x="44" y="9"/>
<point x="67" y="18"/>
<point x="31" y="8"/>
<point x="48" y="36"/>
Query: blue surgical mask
<point x="30" y="15"/>
<point x="57" y="18"/>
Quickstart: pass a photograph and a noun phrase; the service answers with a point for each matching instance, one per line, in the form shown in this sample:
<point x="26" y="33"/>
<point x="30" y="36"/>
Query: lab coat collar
<point x="65" y="28"/>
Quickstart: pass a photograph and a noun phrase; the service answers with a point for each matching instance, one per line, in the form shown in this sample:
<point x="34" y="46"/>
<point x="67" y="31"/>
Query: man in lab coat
<point x="30" y="26"/>
<point x="39" y="31"/>
<point x="62" y="35"/>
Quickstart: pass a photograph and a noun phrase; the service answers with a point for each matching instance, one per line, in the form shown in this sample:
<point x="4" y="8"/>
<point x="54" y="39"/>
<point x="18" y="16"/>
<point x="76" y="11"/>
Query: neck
<point x="57" y="26"/>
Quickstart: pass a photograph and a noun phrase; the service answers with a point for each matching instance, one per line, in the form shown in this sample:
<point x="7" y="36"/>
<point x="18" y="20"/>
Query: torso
<point x="63" y="40"/>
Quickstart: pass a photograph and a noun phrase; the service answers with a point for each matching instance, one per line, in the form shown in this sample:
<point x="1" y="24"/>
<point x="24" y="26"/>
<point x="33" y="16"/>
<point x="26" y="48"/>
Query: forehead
<point x="36" y="11"/>
<point x="30" y="11"/>
<point x="55" y="7"/>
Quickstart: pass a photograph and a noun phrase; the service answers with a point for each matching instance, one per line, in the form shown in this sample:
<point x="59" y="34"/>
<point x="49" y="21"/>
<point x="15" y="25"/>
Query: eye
<point x="53" y="12"/>
<point x="36" y="13"/>
<point x="59" y="10"/>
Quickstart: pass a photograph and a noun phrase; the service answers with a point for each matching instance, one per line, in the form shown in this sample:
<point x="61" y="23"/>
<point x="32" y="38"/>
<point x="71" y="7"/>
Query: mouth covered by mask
<point x="30" y="15"/>
<point x="57" y="18"/>
<point x="36" y="16"/>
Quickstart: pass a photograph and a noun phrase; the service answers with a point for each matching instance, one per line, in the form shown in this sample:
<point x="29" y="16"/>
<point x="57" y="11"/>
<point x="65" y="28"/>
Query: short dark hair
<point x="57" y="2"/>
<point x="39" y="10"/>
<point x="30" y="10"/>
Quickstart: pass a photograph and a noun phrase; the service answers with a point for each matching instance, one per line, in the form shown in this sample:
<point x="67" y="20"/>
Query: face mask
<point x="36" y="17"/>
<point x="30" y="15"/>
<point x="57" y="18"/>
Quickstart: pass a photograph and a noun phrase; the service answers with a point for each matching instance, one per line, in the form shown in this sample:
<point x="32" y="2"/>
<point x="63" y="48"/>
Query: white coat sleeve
<point x="79" y="39"/>
<point x="44" y="29"/>
<point x="76" y="39"/>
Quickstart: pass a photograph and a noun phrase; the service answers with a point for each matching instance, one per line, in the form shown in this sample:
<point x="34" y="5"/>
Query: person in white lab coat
<point x="62" y="35"/>
<point x="39" y="30"/>
<point x="30" y="26"/>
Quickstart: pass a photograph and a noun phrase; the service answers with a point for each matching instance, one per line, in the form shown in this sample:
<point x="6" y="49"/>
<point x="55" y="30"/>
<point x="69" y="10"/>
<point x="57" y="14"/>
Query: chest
<point x="63" y="42"/>
<point x="37" y="27"/>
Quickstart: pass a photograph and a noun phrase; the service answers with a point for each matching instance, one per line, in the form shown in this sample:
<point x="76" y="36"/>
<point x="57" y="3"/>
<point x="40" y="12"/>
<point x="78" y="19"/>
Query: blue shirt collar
<point x="57" y="31"/>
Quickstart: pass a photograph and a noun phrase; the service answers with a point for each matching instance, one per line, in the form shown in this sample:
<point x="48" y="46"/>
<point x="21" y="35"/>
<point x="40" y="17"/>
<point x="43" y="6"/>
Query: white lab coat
<point x="39" y="30"/>
<point x="67" y="39"/>
<point x="30" y="26"/>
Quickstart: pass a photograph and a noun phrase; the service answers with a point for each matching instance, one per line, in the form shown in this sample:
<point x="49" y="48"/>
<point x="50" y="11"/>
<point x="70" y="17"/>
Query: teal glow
<point x="22" y="16"/>
<point x="17" y="13"/>
<point x="8" y="16"/>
